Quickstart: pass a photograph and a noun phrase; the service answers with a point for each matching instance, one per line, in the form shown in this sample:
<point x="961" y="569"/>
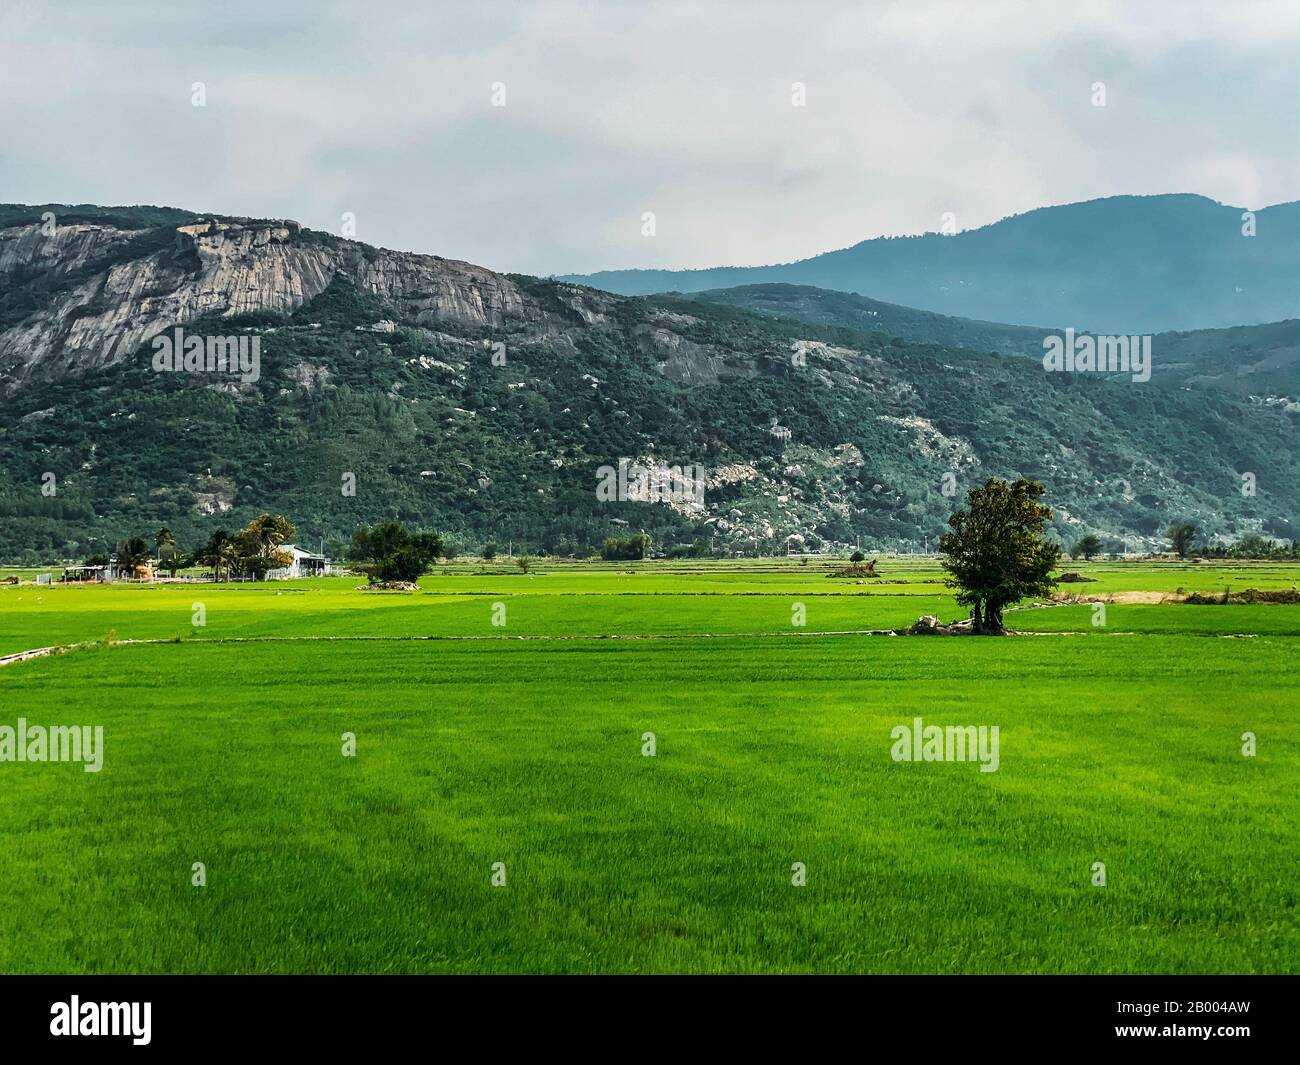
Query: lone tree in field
<point x="391" y="552"/>
<point x="1086" y="547"/>
<point x="1181" y="538"/>
<point x="996" y="554"/>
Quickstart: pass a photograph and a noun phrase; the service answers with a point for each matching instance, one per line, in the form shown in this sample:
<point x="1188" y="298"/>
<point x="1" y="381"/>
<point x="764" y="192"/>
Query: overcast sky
<point x="613" y="109"/>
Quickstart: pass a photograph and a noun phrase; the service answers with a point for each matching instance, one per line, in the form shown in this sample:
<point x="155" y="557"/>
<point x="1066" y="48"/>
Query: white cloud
<point x="914" y="108"/>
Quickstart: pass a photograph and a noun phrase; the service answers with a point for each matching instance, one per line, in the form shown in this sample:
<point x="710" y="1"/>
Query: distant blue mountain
<point x="1123" y="264"/>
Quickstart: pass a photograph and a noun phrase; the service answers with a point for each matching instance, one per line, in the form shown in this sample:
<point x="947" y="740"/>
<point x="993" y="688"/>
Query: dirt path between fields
<point x="42" y="652"/>
<point x="1143" y="598"/>
<point x="23" y="656"/>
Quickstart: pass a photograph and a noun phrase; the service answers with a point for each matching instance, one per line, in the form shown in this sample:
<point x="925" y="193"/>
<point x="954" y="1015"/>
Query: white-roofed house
<point x="304" y="564"/>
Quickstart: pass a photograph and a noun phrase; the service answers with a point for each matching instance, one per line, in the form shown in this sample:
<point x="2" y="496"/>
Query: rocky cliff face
<point x="87" y="296"/>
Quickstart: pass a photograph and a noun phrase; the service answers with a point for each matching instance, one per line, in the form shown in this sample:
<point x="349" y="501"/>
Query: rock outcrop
<point x="94" y="293"/>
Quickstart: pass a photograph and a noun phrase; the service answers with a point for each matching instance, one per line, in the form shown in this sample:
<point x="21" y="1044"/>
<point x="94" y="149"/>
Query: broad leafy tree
<point x="1087" y="547"/>
<point x="132" y="553"/>
<point x="996" y="553"/>
<point x="260" y="544"/>
<point x="1182" y="538"/>
<point x="391" y="552"/>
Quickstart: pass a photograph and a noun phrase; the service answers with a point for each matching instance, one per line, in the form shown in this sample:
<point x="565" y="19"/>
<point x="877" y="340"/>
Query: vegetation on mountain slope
<point x="825" y="434"/>
<point x="1259" y="361"/>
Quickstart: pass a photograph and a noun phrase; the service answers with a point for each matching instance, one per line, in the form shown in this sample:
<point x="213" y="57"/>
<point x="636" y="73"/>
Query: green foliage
<point x="1182" y="538"/>
<point x="391" y="552"/>
<point x="1254" y="546"/>
<point x="258" y="546"/>
<point x="220" y="552"/>
<point x="996" y="554"/>
<point x="1087" y="547"/>
<point x="133" y="552"/>
<point x="442" y="439"/>
<point x="631" y="548"/>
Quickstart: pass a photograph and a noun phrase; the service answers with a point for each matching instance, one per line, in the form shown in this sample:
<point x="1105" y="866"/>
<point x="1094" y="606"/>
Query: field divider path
<point x="23" y="656"/>
<point x="42" y="652"/>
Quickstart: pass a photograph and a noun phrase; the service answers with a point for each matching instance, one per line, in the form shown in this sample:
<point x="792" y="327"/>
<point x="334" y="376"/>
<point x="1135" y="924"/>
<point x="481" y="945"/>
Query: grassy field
<point x="1119" y="744"/>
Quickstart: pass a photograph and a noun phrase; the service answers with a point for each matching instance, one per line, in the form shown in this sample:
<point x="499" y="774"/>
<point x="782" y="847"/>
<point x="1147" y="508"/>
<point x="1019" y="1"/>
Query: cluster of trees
<point x="253" y="551"/>
<point x="1182" y="537"/>
<point x="629" y="549"/>
<point x="389" y="551"/>
<point x="1253" y="546"/>
<point x="698" y="549"/>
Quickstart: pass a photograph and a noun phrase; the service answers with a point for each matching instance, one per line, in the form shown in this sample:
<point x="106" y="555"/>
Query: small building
<point x="109" y="571"/>
<point x="304" y="564"/>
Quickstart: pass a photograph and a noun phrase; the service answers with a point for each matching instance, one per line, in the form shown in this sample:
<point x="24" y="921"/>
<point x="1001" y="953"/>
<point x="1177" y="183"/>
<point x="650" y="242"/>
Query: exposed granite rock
<point x="112" y="301"/>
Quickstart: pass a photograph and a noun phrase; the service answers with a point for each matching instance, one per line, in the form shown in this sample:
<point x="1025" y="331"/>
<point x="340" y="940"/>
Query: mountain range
<point x="486" y="405"/>
<point x="1124" y="264"/>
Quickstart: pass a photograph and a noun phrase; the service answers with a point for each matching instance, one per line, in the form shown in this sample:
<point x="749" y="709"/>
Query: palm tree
<point x="259" y="545"/>
<point x="163" y="539"/>
<point x="227" y="555"/>
<point x="133" y="553"/>
<point x="219" y="552"/>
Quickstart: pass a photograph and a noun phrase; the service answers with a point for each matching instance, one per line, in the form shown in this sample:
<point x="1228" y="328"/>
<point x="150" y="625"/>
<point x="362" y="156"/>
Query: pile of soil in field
<point x="1248" y="595"/>
<point x="856" y="569"/>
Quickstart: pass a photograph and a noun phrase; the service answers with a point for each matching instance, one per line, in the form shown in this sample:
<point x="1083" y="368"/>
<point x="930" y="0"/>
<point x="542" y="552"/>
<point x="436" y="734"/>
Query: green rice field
<point x="501" y="813"/>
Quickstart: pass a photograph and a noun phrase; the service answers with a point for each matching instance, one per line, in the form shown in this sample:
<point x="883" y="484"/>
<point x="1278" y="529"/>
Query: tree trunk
<point x="993" y="621"/>
<point x="977" y="618"/>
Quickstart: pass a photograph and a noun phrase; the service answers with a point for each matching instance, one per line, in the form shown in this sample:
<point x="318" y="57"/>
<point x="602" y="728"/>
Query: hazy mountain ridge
<point x="1123" y="264"/>
<point x="383" y="365"/>
<point x="1248" y="360"/>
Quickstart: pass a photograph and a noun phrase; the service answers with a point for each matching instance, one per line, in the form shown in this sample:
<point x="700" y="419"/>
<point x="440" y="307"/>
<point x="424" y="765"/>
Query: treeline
<point x="1254" y="547"/>
<point x="253" y="551"/>
<point x="389" y="551"/>
<point x="1183" y="537"/>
